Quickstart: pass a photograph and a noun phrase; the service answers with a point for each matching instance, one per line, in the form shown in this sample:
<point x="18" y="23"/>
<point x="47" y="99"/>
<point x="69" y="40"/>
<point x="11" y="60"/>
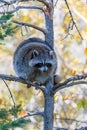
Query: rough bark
<point x="48" y="106"/>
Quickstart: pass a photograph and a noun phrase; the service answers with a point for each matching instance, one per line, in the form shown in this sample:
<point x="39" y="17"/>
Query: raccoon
<point x="35" y="61"/>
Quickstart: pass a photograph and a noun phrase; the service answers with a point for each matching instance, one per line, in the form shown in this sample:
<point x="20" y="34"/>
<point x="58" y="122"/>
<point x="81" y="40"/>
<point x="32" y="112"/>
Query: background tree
<point x="15" y="18"/>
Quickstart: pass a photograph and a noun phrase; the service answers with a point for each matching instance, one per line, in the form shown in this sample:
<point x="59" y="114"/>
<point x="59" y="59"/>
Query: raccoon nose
<point x="43" y="69"/>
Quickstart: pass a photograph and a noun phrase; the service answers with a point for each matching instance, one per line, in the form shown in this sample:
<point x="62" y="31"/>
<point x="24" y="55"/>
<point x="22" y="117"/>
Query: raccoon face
<point x="43" y="67"/>
<point x="43" y="62"/>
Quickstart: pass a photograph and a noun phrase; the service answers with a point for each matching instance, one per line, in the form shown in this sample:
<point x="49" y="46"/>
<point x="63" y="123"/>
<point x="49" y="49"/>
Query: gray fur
<point x="35" y="61"/>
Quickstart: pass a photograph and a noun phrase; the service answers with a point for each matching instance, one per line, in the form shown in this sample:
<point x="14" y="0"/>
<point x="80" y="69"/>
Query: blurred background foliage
<point x="70" y="103"/>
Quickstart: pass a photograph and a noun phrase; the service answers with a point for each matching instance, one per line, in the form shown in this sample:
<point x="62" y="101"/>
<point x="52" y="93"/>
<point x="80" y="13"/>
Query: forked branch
<point x="78" y="79"/>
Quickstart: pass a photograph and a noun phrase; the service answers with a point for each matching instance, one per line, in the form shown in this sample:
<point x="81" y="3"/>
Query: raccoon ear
<point x="35" y="53"/>
<point x="51" y="53"/>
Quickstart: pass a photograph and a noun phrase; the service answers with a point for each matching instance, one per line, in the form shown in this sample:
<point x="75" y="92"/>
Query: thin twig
<point x="70" y="82"/>
<point x="23" y="7"/>
<point x="36" y="113"/>
<point x="32" y="114"/>
<point x="55" y="3"/>
<point x="45" y="2"/>
<point x="8" y="3"/>
<point x="70" y="27"/>
<point x="10" y="93"/>
<point x="73" y="19"/>
<point x="75" y="120"/>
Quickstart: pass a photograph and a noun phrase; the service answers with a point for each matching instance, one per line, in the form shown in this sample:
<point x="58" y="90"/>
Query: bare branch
<point x="36" y="113"/>
<point x="10" y="93"/>
<point x="46" y="2"/>
<point x="32" y="114"/>
<point x="79" y="15"/>
<point x="20" y="80"/>
<point x="26" y="24"/>
<point x="8" y="3"/>
<point x="72" y="120"/>
<point x="82" y="128"/>
<point x="29" y="25"/>
<point x="55" y="3"/>
<point x="73" y="20"/>
<point x="23" y="7"/>
<point x="70" y="82"/>
<point x="12" y="1"/>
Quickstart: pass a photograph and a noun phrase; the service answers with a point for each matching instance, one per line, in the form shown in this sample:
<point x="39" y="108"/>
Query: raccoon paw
<point x="36" y="84"/>
<point x="57" y="79"/>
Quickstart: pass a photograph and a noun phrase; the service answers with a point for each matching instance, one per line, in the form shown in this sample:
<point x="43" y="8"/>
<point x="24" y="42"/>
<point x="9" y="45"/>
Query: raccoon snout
<point x="43" y="69"/>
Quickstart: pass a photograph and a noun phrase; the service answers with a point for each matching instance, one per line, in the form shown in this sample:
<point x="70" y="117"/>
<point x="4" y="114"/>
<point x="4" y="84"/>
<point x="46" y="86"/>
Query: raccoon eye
<point x="48" y="65"/>
<point x="39" y="65"/>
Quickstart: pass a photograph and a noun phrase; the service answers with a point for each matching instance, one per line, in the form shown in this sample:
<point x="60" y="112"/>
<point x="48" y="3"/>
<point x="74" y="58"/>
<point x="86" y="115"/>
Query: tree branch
<point x="55" y="3"/>
<point x="29" y="25"/>
<point x="12" y="1"/>
<point x="10" y="93"/>
<point x="73" y="20"/>
<point x="75" y="120"/>
<point x="20" y="80"/>
<point x="23" y="7"/>
<point x="45" y="2"/>
<point x="5" y="2"/>
<point x="26" y="24"/>
<point x="79" y="15"/>
<point x="31" y="114"/>
<point x="35" y="113"/>
<point x="82" y="128"/>
<point x="70" y="82"/>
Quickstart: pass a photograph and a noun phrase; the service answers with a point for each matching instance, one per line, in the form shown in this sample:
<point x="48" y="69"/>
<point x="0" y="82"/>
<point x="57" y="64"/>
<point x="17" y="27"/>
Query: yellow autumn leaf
<point x="68" y="96"/>
<point x="55" y="116"/>
<point x="83" y="71"/>
<point x="75" y="61"/>
<point x="22" y="113"/>
<point x="77" y="37"/>
<point x="85" y="51"/>
<point x="60" y="42"/>
<point x="73" y="72"/>
<point x="55" y="97"/>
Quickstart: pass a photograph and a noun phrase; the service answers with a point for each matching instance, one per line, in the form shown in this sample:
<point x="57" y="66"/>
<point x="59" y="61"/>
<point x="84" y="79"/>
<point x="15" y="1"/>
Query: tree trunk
<point x="49" y="106"/>
<point x="49" y="26"/>
<point x="48" y="97"/>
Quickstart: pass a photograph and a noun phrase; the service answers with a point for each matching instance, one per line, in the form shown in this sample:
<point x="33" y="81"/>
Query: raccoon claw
<point x="37" y="84"/>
